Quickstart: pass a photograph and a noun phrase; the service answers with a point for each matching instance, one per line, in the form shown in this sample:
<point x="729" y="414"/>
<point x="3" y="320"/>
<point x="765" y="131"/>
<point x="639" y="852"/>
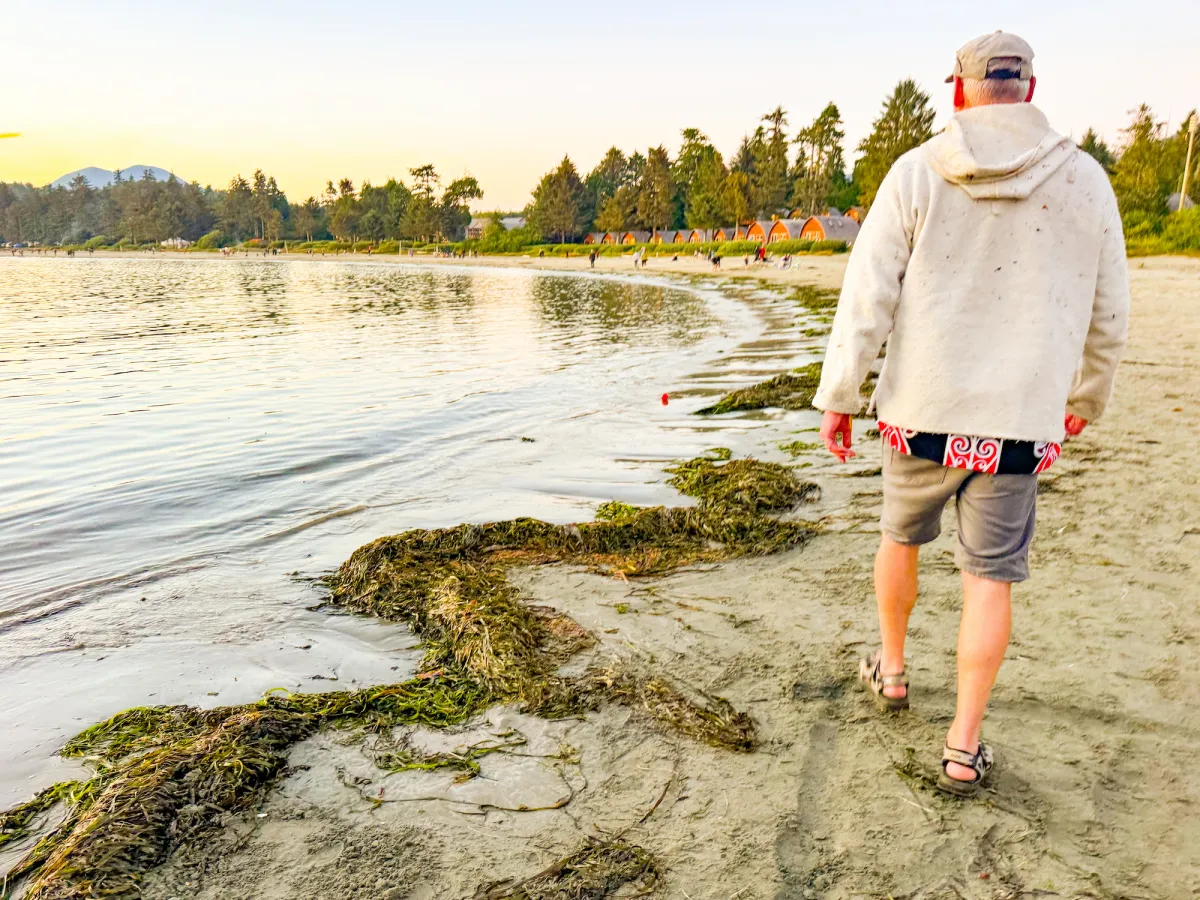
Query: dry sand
<point x="1094" y="718"/>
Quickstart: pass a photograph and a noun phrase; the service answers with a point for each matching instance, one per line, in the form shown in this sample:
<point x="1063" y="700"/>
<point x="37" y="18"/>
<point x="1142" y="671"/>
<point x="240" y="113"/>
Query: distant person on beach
<point x="592" y="259"/>
<point x="993" y="264"/>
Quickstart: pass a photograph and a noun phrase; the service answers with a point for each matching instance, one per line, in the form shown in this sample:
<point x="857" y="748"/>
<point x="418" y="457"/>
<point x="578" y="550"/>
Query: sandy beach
<point x="1094" y="718"/>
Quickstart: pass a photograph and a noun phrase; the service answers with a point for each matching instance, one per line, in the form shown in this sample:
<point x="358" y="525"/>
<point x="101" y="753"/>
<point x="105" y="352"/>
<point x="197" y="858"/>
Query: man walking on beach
<point x="993" y="264"/>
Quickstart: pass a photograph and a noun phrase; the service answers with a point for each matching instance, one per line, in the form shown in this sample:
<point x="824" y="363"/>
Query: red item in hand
<point x="666" y="399"/>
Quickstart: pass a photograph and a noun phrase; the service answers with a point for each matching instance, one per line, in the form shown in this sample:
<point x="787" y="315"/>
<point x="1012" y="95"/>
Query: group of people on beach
<point x="42" y="251"/>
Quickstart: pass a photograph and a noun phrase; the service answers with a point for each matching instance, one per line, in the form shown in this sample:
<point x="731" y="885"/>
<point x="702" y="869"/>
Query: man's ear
<point x="960" y="98"/>
<point x="1032" y="87"/>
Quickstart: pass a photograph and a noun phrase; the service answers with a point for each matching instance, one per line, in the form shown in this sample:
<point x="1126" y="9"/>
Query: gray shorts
<point x="995" y="513"/>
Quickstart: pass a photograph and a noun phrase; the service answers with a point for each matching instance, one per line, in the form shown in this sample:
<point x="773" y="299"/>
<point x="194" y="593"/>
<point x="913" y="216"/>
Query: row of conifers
<point x="833" y="226"/>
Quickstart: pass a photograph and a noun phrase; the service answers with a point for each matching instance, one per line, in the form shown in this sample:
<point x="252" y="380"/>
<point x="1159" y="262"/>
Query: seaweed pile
<point x="790" y="390"/>
<point x="816" y="298"/>
<point x="597" y="870"/>
<point x="165" y="775"/>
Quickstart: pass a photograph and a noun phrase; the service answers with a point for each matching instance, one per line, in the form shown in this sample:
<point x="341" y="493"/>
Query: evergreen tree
<point x="398" y="200"/>
<point x="373" y="213"/>
<point x="694" y="147"/>
<point x="307" y="218"/>
<point x="736" y="197"/>
<point x="558" y="202"/>
<point x="345" y="215"/>
<point x="603" y="181"/>
<point x="748" y="152"/>
<point x="422" y="219"/>
<point x="617" y="212"/>
<point x="705" y="197"/>
<point x="237" y="210"/>
<point x="845" y="191"/>
<point x="905" y="122"/>
<point x="699" y="173"/>
<point x="820" y="161"/>
<point x="637" y="168"/>
<point x="770" y="181"/>
<point x="1144" y="175"/>
<point x="656" y="192"/>
<point x="1096" y="148"/>
<point x="262" y="201"/>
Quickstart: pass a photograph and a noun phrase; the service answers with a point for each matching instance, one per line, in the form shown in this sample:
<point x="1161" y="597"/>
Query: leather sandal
<point x="874" y="681"/>
<point x="981" y="761"/>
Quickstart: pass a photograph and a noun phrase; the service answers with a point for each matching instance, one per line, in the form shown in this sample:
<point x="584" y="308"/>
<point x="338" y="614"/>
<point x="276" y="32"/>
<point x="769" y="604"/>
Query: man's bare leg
<point x="896" y="595"/>
<point x="982" y="642"/>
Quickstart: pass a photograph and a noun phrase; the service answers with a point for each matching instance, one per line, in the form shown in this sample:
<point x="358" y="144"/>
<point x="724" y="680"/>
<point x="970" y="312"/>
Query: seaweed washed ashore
<point x="792" y="390"/>
<point x="165" y="776"/>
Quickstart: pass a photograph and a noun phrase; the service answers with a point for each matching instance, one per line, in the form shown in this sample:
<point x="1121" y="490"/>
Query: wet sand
<point x="1094" y="717"/>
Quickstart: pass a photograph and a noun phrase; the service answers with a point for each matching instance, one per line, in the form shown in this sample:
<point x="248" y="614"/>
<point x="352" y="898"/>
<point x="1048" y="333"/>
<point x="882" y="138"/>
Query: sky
<point x="312" y="91"/>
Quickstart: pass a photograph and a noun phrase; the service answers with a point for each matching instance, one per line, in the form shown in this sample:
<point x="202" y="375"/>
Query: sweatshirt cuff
<point x="838" y="402"/>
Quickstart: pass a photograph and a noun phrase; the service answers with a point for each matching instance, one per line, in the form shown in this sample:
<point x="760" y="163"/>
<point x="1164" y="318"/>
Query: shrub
<point x="1181" y="230"/>
<point x="96" y="242"/>
<point x="210" y="241"/>
<point x="829" y="247"/>
<point x="1146" y="246"/>
<point x="1140" y="224"/>
<point x="496" y="239"/>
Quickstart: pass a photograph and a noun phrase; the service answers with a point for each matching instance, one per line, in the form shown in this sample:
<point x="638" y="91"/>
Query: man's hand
<point x="835" y="426"/>
<point x="1075" y="425"/>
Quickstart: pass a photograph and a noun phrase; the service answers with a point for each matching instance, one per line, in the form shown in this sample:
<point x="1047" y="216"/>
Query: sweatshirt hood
<point x="998" y="152"/>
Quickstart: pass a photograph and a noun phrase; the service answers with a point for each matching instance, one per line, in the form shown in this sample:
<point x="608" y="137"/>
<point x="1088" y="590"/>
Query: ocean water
<point x="185" y="444"/>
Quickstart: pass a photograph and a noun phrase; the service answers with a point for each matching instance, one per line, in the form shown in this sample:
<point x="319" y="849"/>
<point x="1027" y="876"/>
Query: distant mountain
<point x="99" y="178"/>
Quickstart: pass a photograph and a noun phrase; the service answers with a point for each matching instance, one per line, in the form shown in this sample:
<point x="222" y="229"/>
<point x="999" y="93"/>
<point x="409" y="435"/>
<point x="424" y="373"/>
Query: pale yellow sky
<point x="310" y="92"/>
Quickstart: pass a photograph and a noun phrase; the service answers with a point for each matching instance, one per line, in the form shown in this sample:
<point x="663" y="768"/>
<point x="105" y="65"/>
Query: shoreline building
<point x="730" y="233"/>
<point x="830" y="228"/>
<point x="478" y="225"/>
<point x="786" y="230"/>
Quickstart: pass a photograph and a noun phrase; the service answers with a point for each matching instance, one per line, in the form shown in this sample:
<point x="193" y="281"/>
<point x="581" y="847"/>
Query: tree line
<point x="772" y="172"/>
<point x="141" y="210"/>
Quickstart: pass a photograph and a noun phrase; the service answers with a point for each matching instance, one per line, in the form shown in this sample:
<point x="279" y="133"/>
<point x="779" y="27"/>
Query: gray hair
<point x="983" y="92"/>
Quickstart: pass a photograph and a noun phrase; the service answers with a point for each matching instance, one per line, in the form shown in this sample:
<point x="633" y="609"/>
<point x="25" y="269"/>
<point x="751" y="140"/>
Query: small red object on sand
<point x="666" y="399"/>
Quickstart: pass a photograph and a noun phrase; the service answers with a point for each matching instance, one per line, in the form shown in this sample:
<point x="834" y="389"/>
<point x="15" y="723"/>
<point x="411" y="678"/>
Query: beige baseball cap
<point x="993" y="56"/>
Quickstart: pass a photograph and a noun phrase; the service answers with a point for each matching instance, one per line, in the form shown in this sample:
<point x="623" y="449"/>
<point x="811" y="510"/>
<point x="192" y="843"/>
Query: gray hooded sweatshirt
<point x="993" y="264"/>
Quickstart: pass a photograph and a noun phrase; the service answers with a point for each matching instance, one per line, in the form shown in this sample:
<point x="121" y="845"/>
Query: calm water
<point x="184" y="443"/>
